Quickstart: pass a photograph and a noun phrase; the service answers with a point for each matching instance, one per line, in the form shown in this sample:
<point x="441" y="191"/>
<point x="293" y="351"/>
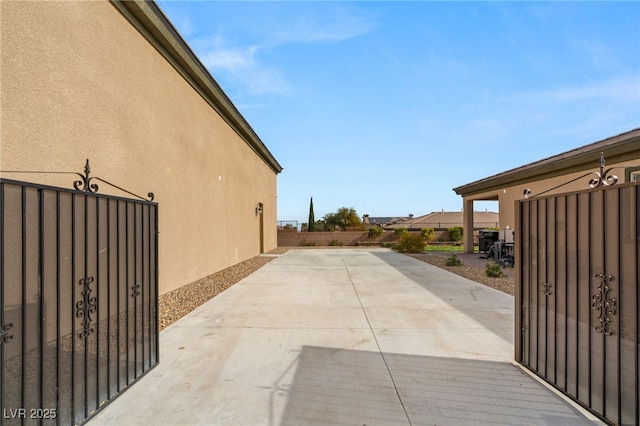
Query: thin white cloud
<point x="246" y="65"/>
<point x="218" y="57"/>
<point x="624" y="89"/>
<point x="334" y="27"/>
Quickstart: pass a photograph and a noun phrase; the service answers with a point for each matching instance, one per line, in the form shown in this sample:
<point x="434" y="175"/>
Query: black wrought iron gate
<point x="577" y="295"/>
<point x="78" y="300"/>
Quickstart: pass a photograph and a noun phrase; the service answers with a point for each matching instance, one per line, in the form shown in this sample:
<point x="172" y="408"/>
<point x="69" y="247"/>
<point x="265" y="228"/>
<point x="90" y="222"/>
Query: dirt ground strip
<point x="473" y="267"/>
<point x="178" y="303"/>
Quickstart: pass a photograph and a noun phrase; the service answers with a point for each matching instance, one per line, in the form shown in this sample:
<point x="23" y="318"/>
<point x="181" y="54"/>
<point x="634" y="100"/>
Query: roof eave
<point x="617" y="149"/>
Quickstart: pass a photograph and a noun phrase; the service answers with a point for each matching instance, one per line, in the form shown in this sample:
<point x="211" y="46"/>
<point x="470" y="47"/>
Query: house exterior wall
<point x="80" y="81"/>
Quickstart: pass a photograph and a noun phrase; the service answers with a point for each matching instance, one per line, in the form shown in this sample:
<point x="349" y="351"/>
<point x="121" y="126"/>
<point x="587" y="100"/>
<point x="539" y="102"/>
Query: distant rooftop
<point x="384" y="221"/>
<point x="443" y="220"/>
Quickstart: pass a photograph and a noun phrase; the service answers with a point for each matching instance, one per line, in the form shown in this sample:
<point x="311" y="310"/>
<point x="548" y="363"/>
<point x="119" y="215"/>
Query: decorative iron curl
<point x="85" y="184"/>
<point x="135" y="290"/>
<point x="603" y="178"/>
<point x="546" y="289"/>
<point x="4" y="333"/>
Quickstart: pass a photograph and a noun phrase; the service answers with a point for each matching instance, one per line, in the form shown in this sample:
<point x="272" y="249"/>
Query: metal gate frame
<point x="577" y="296"/>
<point x="78" y="299"/>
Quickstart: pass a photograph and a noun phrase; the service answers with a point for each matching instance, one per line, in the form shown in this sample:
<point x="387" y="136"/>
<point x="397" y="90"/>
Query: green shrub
<point x="375" y="232"/>
<point x="455" y="233"/>
<point x="412" y="243"/>
<point x="336" y="243"/>
<point x="399" y="232"/>
<point x="453" y="261"/>
<point x="428" y="234"/>
<point x="494" y="270"/>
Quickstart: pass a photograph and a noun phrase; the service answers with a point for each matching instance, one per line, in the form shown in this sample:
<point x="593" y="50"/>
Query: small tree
<point x="343" y="218"/>
<point x="312" y="218"/>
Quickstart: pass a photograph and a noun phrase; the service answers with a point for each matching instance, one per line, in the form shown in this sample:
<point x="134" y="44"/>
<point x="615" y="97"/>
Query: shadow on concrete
<point x="339" y="386"/>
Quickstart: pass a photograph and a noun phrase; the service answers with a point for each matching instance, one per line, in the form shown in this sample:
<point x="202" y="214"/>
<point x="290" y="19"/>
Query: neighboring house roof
<point x="151" y="22"/>
<point x="623" y="147"/>
<point x="382" y="221"/>
<point x="443" y="220"/>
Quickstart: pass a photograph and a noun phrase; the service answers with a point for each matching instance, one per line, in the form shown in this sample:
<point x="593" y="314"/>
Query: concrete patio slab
<point x="343" y="336"/>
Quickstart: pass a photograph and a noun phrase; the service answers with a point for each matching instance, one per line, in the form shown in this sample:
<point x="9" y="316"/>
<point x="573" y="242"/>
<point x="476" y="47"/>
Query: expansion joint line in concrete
<point x="376" y="340"/>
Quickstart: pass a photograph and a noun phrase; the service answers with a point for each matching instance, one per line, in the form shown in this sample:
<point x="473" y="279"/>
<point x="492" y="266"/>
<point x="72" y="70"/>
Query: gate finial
<point x="603" y="178"/>
<point x="85" y="182"/>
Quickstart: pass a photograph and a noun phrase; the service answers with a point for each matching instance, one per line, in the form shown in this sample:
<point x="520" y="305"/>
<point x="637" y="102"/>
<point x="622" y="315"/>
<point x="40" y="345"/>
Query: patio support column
<point x="467" y="214"/>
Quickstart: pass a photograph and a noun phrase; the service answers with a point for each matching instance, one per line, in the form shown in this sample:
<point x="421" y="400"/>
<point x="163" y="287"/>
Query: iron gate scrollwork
<point x="86" y="307"/>
<point x="78" y="297"/>
<point x="604" y="304"/>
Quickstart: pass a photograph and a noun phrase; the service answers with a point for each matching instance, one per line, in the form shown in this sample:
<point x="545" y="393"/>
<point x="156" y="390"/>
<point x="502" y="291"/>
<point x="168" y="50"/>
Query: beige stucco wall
<point x="79" y="81"/>
<point x="508" y="195"/>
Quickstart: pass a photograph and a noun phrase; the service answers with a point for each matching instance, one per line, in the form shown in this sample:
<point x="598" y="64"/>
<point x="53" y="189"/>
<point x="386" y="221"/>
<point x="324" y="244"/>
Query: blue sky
<point x="387" y="106"/>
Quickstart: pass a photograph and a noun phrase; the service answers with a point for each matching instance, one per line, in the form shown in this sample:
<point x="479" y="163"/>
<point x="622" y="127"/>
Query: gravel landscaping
<point x="176" y="304"/>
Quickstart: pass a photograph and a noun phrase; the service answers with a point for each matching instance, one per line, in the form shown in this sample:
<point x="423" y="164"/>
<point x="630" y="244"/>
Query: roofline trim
<point x="616" y="148"/>
<point x="155" y="27"/>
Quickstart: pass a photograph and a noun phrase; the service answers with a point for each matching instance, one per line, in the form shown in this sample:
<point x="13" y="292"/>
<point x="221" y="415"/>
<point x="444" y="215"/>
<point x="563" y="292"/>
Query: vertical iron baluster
<point x="620" y="291"/>
<point x="589" y="342"/>
<point x="23" y="216"/>
<point x="86" y="340"/>
<point x="577" y="227"/>
<point x="41" y="257"/>
<point x="555" y="293"/>
<point x="118" y="267"/>
<point x="144" y="227"/>
<point x="604" y="263"/>
<point x="543" y="217"/>
<point x="2" y="323"/>
<point x="566" y="295"/>
<point x="126" y="283"/>
<point x="156" y="318"/>
<point x="58" y="279"/>
<point x="98" y="331"/>
<point x="108" y="299"/>
<point x="135" y="292"/>
<point x="637" y="307"/>
<point x="73" y="304"/>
